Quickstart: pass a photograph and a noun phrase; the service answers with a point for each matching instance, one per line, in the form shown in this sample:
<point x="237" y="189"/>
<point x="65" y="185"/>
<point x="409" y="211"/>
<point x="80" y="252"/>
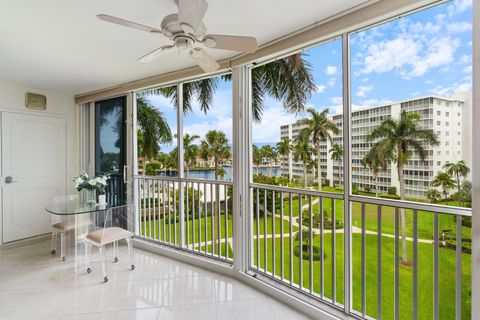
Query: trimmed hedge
<point x="306" y="252"/>
<point x="389" y="196"/>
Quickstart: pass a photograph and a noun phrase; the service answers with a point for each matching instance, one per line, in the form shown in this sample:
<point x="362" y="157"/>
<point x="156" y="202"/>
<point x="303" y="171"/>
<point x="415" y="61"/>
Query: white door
<point x="33" y="171"/>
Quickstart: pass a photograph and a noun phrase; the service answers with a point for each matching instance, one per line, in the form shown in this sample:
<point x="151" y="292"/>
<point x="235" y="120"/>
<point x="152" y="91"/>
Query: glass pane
<point x="110" y="135"/>
<point x="297" y="138"/>
<point x="414" y="73"/>
<point x="207" y="129"/>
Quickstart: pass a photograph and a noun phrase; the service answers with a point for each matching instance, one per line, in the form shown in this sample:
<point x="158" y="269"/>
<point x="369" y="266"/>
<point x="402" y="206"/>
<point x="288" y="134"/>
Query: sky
<point x="428" y="52"/>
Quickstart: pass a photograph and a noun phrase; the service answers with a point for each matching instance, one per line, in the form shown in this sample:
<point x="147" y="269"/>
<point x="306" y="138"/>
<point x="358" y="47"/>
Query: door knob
<point x="9" y="179"/>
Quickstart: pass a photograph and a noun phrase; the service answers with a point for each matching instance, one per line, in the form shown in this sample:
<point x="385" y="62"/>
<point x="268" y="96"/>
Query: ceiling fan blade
<point x="204" y="60"/>
<point x="191" y="13"/>
<point x="235" y="43"/>
<point x="126" y="23"/>
<point x="156" y="53"/>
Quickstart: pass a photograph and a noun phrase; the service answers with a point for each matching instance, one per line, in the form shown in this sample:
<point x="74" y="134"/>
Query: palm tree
<point x="153" y="129"/>
<point x="268" y="152"/>
<point x="458" y="170"/>
<point x="256" y="156"/>
<point x="397" y="139"/>
<point x="289" y="80"/>
<point x="433" y="195"/>
<point x="189" y="151"/>
<point x="444" y="181"/>
<point x="375" y="163"/>
<point x="284" y="148"/>
<point x="303" y="151"/>
<point x="336" y="154"/>
<point x="320" y="128"/>
<point x="215" y="145"/>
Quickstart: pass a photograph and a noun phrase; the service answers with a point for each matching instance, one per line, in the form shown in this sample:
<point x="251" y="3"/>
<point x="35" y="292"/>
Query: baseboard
<point x="24" y="242"/>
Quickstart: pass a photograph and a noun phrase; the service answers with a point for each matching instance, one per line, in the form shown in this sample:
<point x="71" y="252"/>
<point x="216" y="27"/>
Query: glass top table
<point x="67" y="208"/>
<point x="81" y="217"/>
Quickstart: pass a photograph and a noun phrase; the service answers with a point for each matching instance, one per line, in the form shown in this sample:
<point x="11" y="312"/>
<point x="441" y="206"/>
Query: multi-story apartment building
<point x="449" y="118"/>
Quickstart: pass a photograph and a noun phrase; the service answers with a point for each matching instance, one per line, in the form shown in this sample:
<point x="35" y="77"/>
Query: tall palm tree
<point x="303" y="151"/>
<point x="289" y="80"/>
<point x="190" y="151"/>
<point x="215" y="145"/>
<point x="153" y="127"/>
<point x="375" y="163"/>
<point x="336" y="153"/>
<point x="268" y="152"/>
<point x="256" y="156"/>
<point x="444" y="181"/>
<point x="433" y="195"/>
<point x="397" y="139"/>
<point x="320" y="128"/>
<point x="284" y="148"/>
<point x="458" y="170"/>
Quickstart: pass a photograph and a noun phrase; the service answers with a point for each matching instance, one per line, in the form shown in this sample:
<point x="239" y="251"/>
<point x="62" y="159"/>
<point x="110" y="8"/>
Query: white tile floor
<point x="35" y="285"/>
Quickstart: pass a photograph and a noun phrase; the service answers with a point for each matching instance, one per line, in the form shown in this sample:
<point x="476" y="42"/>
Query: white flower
<point x="92" y="182"/>
<point x="78" y="181"/>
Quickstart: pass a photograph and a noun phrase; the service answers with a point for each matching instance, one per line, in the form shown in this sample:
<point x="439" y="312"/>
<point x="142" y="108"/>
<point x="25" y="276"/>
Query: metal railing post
<point x="181" y="195"/>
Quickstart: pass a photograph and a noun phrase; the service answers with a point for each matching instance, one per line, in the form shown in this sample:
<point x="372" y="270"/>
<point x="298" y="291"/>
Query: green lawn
<point x="164" y="229"/>
<point x="425" y="272"/>
<point x="425" y="219"/>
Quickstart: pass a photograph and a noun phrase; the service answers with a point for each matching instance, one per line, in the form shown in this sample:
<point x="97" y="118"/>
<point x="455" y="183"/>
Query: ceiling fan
<point x="188" y="32"/>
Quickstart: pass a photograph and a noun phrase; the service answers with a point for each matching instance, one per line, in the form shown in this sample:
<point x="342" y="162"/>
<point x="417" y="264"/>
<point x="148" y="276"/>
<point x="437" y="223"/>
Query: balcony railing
<point x="407" y="260"/>
<point x="207" y="214"/>
<point x="279" y="214"/>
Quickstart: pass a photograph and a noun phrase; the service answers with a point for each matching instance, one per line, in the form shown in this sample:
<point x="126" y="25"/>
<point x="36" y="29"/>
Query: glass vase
<point x="91" y="197"/>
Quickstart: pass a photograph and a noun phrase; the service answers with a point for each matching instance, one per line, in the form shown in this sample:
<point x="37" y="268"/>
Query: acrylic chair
<point x="61" y="225"/>
<point x="117" y="223"/>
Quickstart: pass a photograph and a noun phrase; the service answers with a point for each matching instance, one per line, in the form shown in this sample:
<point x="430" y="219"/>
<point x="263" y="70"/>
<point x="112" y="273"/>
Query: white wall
<point x="12" y="99"/>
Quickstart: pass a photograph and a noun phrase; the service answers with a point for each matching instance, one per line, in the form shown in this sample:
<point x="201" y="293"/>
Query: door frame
<point x="39" y="114"/>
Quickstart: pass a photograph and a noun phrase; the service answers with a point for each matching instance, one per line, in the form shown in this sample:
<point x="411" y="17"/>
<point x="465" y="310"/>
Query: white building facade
<point x="449" y="118"/>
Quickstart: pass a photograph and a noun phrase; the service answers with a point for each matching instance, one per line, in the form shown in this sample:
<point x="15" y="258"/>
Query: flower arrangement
<point x="95" y="183"/>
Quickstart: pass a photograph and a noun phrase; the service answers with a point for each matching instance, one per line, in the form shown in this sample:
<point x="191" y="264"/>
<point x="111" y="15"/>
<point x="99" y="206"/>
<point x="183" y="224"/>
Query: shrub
<point x="316" y="219"/>
<point x="339" y="188"/>
<point x="392" y="191"/>
<point x="390" y="196"/>
<point x="325" y="182"/>
<point x="354" y="189"/>
<point x="306" y="252"/>
<point x="367" y="189"/>
<point x="151" y="168"/>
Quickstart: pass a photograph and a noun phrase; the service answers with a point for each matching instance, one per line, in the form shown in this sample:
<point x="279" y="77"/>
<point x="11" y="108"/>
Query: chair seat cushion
<point x="70" y="224"/>
<point x="108" y="235"/>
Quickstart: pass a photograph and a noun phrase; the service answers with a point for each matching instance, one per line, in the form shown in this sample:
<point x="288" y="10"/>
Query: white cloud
<point x="321" y="88"/>
<point x="459" y="27"/>
<point x="465" y="58"/>
<point x="385" y="56"/>
<point x="273" y="117"/>
<point x="467" y="69"/>
<point x="455" y="88"/>
<point x="459" y="6"/>
<point x="363" y="90"/>
<point x="331" y="82"/>
<point x="331" y="70"/>
<point x="408" y="56"/>
<point x="374" y="102"/>
<point x="336" y="100"/>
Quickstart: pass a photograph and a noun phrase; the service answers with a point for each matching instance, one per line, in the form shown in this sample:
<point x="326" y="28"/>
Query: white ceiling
<point x="60" y="44"/>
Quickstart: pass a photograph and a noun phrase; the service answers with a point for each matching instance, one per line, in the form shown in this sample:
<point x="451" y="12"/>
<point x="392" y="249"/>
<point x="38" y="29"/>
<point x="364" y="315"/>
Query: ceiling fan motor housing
<point x="171" y="26"/>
